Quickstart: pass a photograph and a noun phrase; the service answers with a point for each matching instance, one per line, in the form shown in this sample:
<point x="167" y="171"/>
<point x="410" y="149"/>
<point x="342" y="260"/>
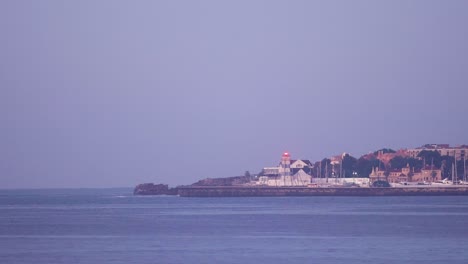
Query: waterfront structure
<point x="299" y="173"/>
<point x="294" y="167"/>
<point x="284" y="175"/>
<point x="346" y="182"/>
<point x="262" y="191"/>
<point x="270" y="171"/>
<point x="299" y="179"/>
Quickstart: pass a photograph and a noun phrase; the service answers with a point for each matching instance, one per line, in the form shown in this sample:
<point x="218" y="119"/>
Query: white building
<point x="363" y="182"/>
<point x="299" y="179"/>
<point x="287" y="173"/>
<point x="270" y="171"/>
<point x="300" y="164"/>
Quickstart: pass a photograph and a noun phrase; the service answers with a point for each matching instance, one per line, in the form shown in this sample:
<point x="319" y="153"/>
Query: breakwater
<point x="230" y="191"/>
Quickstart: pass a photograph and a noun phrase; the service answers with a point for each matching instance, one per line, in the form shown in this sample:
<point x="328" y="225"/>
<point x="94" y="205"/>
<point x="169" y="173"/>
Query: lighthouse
<point x="285" y="170"/>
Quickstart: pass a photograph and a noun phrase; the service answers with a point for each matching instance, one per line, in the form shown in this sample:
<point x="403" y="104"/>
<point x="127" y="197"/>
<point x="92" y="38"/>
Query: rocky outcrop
<point x="154" y="189"/>
<point x="163" y="189"/>
<point x="229" y="181"/>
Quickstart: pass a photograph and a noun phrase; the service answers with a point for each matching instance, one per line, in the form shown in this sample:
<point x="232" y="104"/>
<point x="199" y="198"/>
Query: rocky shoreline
<point x="154" y="189"/>
<point x="163" y="189"/>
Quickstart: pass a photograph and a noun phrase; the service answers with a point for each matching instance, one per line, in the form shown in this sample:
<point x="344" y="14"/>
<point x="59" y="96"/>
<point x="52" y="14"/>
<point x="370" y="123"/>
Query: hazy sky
<point x="115" y="93"/>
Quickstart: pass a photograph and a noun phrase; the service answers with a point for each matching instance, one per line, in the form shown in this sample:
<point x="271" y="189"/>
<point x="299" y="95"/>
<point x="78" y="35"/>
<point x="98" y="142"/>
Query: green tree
<point x="460" y="169"/>
<point x="348" y="165"/>
<point x="410" y="175"/>
<point x="384" y="151"/>
<point x="431" y="157"/>
<point x="433" y="175"/>
<point x="325" y="166"/>
<point x="381" y="184"/>
<point x="446" y="166"/>
<point x="386" y="174"/>
<point x="399" y="162"/>
<point x="364" y="166"/>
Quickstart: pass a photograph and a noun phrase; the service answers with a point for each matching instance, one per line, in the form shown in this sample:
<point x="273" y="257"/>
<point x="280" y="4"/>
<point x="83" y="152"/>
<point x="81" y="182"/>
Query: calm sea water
<point x="112" y="226"/>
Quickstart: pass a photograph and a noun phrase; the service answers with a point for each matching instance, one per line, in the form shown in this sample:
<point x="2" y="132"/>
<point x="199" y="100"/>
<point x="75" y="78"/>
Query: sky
<point x="116" y="93"/>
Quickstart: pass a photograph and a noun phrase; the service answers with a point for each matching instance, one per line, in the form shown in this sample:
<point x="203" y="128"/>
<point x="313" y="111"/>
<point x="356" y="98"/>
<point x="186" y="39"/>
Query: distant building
<point x="443" y="149"/>
<point x="305" y="165"/>
<point x="295" y="166"/>
<point x="288" y="173"/>
<point x="406" y="174"/>
<point x="270" y="171"/>
<point x="363" y="182"/>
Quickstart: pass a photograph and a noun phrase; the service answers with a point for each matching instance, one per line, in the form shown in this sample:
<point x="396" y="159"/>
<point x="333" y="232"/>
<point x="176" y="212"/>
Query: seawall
<point x="230" y="191"/>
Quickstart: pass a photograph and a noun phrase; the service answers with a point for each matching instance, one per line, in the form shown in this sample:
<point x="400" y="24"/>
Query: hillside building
<point x="407" y="174"/>
<point x="444" y="150"/>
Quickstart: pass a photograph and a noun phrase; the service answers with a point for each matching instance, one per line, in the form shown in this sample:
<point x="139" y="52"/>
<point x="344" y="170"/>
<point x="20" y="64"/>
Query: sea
<point x="98" y="226"/>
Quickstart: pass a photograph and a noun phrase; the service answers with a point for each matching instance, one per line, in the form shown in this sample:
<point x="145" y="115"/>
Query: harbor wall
<point x="230" y="191"/>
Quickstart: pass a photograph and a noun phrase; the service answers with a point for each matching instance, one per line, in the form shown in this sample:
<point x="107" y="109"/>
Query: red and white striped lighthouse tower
<point x="285" y="166"/>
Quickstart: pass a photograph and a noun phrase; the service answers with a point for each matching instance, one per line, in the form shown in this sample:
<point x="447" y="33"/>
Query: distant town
<point x="430" y="164"/>
<point x="425" y="167"/>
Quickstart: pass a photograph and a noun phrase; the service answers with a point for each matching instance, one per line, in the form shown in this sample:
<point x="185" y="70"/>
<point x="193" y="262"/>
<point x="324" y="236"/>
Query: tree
<point x="415" y="163"/>
<point x="247" y="175"/>
<point x="325" y="166"/>
<point x="446" y="166"/>
<point x="460" y="169"/>
<point x="431" y="157"/>
<point x="386" y="174"/>
<point x="381" y="184"/>
<point x="348" y="165"/>
<point x="399" y="162"/>
<point x="433" y="175"/>
<point x="316" y="170"/>
<point x="364" y="166"/>
<point x="410" y="175"/>
<point x="384" y="151"/>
